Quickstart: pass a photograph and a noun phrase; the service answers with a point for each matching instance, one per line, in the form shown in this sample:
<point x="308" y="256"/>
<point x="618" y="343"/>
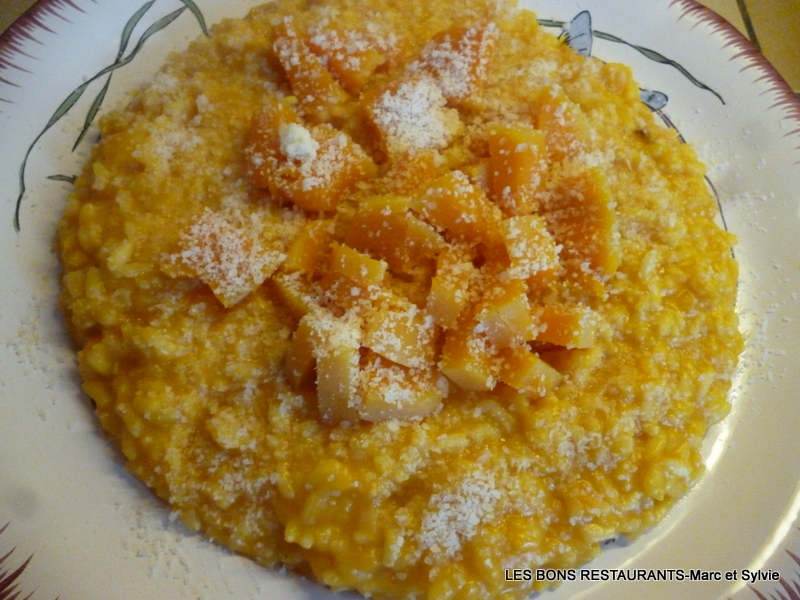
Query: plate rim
<point x="35" y="17"/>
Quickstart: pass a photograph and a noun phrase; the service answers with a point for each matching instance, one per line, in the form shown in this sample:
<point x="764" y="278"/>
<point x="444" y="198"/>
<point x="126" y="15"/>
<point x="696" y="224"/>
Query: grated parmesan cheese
<point x="416" y="116"/>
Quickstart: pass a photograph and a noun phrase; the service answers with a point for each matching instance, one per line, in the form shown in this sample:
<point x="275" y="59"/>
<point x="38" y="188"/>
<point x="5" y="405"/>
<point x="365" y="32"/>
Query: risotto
<point x="401" y="295"/>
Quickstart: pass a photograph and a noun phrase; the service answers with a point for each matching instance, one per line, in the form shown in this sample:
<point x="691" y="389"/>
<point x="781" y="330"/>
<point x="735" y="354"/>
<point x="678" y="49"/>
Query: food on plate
<point x="401" y="295"/>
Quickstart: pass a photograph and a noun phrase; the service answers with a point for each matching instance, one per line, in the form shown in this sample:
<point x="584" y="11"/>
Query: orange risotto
<point x="401" y="295"/>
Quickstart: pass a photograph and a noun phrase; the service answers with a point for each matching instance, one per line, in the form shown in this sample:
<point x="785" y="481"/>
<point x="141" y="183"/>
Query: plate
<point x="93" y="532"/>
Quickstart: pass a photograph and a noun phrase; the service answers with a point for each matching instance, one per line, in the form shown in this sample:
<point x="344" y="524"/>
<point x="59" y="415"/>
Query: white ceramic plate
<point x="95" y="533"/>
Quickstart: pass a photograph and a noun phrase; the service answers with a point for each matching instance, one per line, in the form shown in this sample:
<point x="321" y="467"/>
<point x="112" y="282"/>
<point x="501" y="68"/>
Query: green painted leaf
<point x="651" y="54"/>
<point x="76" y="94"/>
<point x="550" y="23"/>
<point x="150" y="31"/>
<point x="130" y="26"/>
<point x="659" y="58"/>
<point x="68" y="103"/>
<point x="65" y="178"/>
<point x="18" y="206"/>
<point x="154" y="28"/>
<point x="609" y="37"/>
<point x="93" y="109"/>
<point x="197" y="14"/>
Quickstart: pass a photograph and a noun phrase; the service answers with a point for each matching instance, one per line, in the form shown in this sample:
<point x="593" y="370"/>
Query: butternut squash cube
<point x="378" y="228"/>
<point x="410" y="170"/>
<point x="316" y="89"/>
<point x="532" y="251"/>
<point x="565" y="127"/>
<point x="383" y="227"/>
<point x="450" y="287"/>
<point x="313" y="168"/>
<point x="295" y="293"/>
<point x="360" y="269"/>
<point x="452" y="203"/>
<point x="504" y="315"/>
<point x="401" y="332"/>
<point x="581" y="217"/>
<point x="410" y="115"/>
<point x="523" y="370"/>
<point x="324" y="177"/>
<point x="391" y="391"/>
<point x="349" y="56"/>
<point x="570" y="326"/>
<point x="468" y="359"/>
<point x="227" y="254"/>
<point x="421" y="242"/>
<point x="478" y="174"/>
<point x="301" y="358"/>
<point x="458" y="58"/>
<point x="264" y="146"/>
<point x="517" y="167"/>
<point x="336" y="351"/>
<point x="414" y="284"/>
<point x="309" y="249"/>
<point x="351" y="275"/>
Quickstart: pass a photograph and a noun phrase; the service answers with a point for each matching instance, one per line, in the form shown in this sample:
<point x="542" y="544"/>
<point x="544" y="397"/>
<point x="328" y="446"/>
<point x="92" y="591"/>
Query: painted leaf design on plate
<point x="120" y="61"/>
<point x="578" y="34"/>
<point x="659" y="58"/>
<point x="653" y="99"/>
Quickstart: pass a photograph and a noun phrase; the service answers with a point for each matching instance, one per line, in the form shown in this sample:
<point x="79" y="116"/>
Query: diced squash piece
<point x="336" y="352"/>
<point x="452" y="203"/>
<point x="360" y="269"/>
<point x="571" y="360"/>
<point x="316" y="89"/>
<point x="410" y="170"/>
<point x="300" y="358"/>
<point x="383" y="228"/>
<point x="351" y="276"/>
<point x="581" y="217"/>
<point x="414" y="284"/>
<point x="225" y="253"/>
<point x="354" y="71"/>
<point x="313" y="168"/>
<point x="565" y="127"/>
<point x="296" y="294"/>
<point x="523" y="370"/>
<point x="478" y="174"/>
<point x="378" y="228"/>
<point x="532" y="251"/>
<point x="422" y="241"/>
<point x="411" y="114"/>
<point x="401" y="332"/>
<point x="264" y="148"/>
<point x="468" y="359"/>
<point x="570" y="326"/>
<point x="309" y="249"/>
<point x="504" y="314"/>
<point x="517" y="167"/>
<point x="349" y="55"/>
<point x="458" y="59"/>
<point x="450" y="287"/>
<point x="326" y="176"/>
<point x="391" y="391"/>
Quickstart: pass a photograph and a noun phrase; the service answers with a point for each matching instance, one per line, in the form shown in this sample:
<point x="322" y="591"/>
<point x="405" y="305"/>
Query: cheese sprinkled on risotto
<point x="401" y="295"/>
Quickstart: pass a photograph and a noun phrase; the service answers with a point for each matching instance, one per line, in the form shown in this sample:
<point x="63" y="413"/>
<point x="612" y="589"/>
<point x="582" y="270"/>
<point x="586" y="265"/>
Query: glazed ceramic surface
<point x="92" y="532"/>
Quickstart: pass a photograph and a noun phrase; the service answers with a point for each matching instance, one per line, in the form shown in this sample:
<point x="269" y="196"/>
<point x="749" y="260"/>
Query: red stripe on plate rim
<point x="26" y="29"/>
<point x="785" y="97"/>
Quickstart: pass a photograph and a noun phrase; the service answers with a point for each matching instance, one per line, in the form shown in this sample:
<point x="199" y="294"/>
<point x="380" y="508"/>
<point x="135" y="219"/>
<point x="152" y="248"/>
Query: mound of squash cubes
<point x="409" y="277"/>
